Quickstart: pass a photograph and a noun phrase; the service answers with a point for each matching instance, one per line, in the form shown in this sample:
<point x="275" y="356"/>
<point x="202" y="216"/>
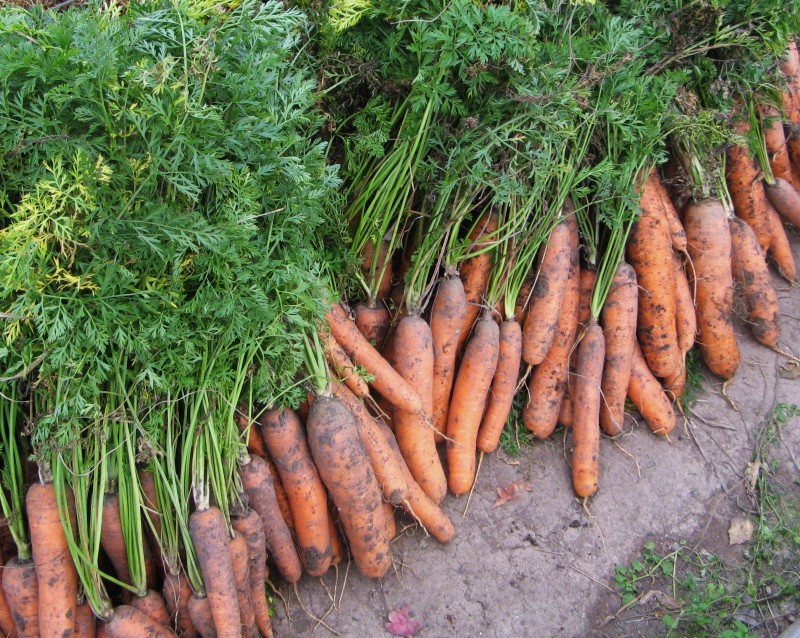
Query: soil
<point x="542" y="565"/>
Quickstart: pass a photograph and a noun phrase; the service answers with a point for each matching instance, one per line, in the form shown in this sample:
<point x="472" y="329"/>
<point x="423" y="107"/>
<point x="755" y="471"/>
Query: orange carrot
<point x="177" y="592"/>
<point x="150" y="501"/>
<point x="646" y="394"/>
<point x="85" y="621"/>
<point x="56" y="576"/>
<point x="749" y="269"/>
<point x="504" y="384"/>
<point x="258" y="484"/>
<point x="7" y="626"/>
<point x="200" y="615"/>
<point x="618" y="317"/>
<point x="675" y="385"/>
<point x="152" y="604"/>
<point x="779" y="248"/>
<point x="347" y="474"/>
<point x="240" y="562"/>
<point x="280" y="493"/>
<point x="111" y="538"/>
<point x="386" y="381"/>
<point x="251" y="528"/>
<point x="286" y="441"/>
<point x="785" y="199"/>
<point x="373" y="320"/>
<point x="685" y="317"/>
<point x="391" y="523"/>
<point x="209" y="534"/>
<point x="21" y="594"/>
<point x="255" y="445"/>
<point x="709" y="246"/>
<point x="337" y="545"/>
<point x="775" y="142"/>
<point x="541" y="323"/>
<point x="383" y="266"/>
<point x="565" y="411"/>
<point x="585" y="422"/>
<point x="447" y="316"/>
<point x="343" y="367"/>
<point x="129" y="622"/>
<point x="470" y="391"/>
<point x="523" y="298"/>
<point x="676" y="232"/>
<point x="793" y="147"/>
<point x="414" y="432"/>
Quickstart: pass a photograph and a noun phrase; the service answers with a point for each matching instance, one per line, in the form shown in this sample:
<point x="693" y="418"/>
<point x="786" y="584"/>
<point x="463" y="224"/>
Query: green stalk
<point x="12" y="479"/>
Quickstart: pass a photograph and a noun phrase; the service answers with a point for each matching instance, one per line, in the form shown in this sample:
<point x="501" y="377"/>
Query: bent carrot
<point x="286" y="441"/>
<point x="251" y="528"/>
<point x="21" y="594"/>
<point x="775" y="142"/>
<point x="646" y="394"/>
<point x="129" y="622"/>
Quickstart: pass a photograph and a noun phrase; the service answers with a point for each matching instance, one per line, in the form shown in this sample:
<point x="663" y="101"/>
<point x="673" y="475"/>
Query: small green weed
<point x="515" y="435"/>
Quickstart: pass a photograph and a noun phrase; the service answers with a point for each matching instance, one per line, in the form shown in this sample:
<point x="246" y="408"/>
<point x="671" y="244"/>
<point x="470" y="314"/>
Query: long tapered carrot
<point x="56" y="576"/>
<point x="21" y="594"/>
<point x="618" y="318"/>
<point x="649" y="252"/>
<point x="541" y="322"/>
<point x="585" y="421"/>
<point x="785" y="199"/>
<point x="780" y="249"/>
<point x="153" y="605"/>
<point x="251" y="528"/>
<point x="386" y="380"/>
<point x="209" y="534"/>
<point x="470" y="391"/>
<point x="647" y="395"/>
<point x="709" y="246"/>
<point x="177" y="591"/>
<point x="343" y="367"/>
<point x="129" y="622"/>
<point x="373" y="321"/>
<point x="286" y="441"/>
<point x="240" y="561"/>
<point x="415" y="432"/>
<point x="347" y="473"/>
<point x="85" y="621"/>
<point x="547" y="386"/>
<point x="258" y="484"/>
<point x="749" y="269"/>
<point x="685" y="317"/>
<point x="111" y="538"/>
<point x="504" y="384"/>
<point x="280" y="493"/>
<point x="200" y="615"/>
<point x="447" y="316"/>
<point x="677" y="234"/>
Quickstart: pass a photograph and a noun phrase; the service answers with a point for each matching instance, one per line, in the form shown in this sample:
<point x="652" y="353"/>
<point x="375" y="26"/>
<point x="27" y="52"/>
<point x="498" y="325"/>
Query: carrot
<point x="129" y="622"/>
<point x="414" y="432"/>
<point x="523" y="298"/>
<point x="85" y="621"/>
<point x="240" y="561"/>
<point x="387" y="468"/>
<point x="286" y="441"/>
<point x="618" y="318"/>
<point x="383" y="266"/>
<point x="685" y="317"/>
<point x="373" y="320"/>
<point x="336" y="542"/>
<point x="343" y="367"/>
<point x="56" y="576"/>
<point x="541" y="324"/>
<point x="209" y="534"/>
<point x="22" y="600"/>
<point x="677" y="233"/>
<point x="258" y="484"/>
<point x="749" y="269"/>
<point x="585" y="422"/>
<point x="548" y="383"/>
<point x="417" y="503"/>
<point x="246" y="425"/>
<point x="345" y="469"/>
<point x="447" y="316"/>
<point x="775" y="141"/>
<point x="649" y="251"/>
<point x="150" y="501"/>
<point x="779" y="248"/>
<point x="7" y="627"/>
<point x="251" y="528"/>
<point x="112" y="540"/>
<point x="386" y="381"/>
<point x="565" y="411"/>
<point x="646" y="394"/>
<point x="470" y="391"/>
<point x="793" y="146"/>
<point x="709" y="246"/>
<point x="152" y="604"/>
<point x="200" y="615"/>
<point x="675" y="385"/>
<point x="280" y="493"/>
<point x="504" y="384"/>
<point x="743" y="177"/>
<point x="391" y="523"/>
<point x="475" y="273"/>
<point x="785" y="199"/>
<point x="177" y="592"/>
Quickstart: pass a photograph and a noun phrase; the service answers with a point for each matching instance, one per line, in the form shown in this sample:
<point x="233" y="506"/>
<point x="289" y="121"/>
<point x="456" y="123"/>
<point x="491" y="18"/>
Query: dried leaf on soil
<point x="661" y="598"/>
<point x="791" y="370"/>
<point x="511" y="491"/>
<point x="400" y="624"/>
<point x="740" y="531"/>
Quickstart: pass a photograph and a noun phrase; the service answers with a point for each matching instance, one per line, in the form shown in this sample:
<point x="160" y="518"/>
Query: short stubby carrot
<point x="286" y="442"/>
<point x="647" y="395"/>
<point x="373" y="321"/>
<point x="346" y="471"/>
<point x="129" y="622"/>
<point x="21" y="594"/>
<point x="709" y="246"/>
<point x="540" y="326"/>
<point x="618" y="318"/>
<point x="470" y="391"/>
<point x="749" y="269"/>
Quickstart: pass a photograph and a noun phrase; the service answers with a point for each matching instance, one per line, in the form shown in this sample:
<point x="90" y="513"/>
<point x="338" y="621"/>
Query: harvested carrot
<point x="56" y="576"/>
<point x="565" y="411"/>
<point x="779" y="248"/>
<point x="676" y="232"/>
<point x="337" y="546"/>
<point x="793" y="147"/>
<point x="749" y="269"/>
<point x="21" y="595"/>
<point x="548" y="383"/>
<point x="391" y="523"/>
<point x="585" y="422"/>
<point x="675" y="385"/>
<point x="343" y="367"/>
<point x="248" y="428"/>
<point x="414" y="431"/>
<point x="373" y="320"/>
<point x="153" y="605"/>
<point x="541" y="324"/>
<point x="470" y="392"/>
<point x="85" y="621"/>
<point x="209" y="534"/>
<point x="382" y="266"/>
<point x="200" y="615"/>
<point x="709" y="246"/>
<point x="111" y="538"/>
<point x="646" y="393"/>
<point x="775" y="141"/>
<point x="250" y="527"/>
<point x="524" y="298"/>
<point x="618" y="318"/>
<point x="7" y="626"/>
<point x="447" y="316"/>
<point x="504" y="384"/>
<point x="685" y="317"/>
<point x="347" y="474"/>
<point x="280" y="493"/>
<point x="785" y="199"/>
<point x="177" y="592"/>
<point x="240" y="562"/>
<point x="129" y="622"/>
<point x="386" y="381"/>
<point x="259" y="486"/>
<point x="150" y="501"/>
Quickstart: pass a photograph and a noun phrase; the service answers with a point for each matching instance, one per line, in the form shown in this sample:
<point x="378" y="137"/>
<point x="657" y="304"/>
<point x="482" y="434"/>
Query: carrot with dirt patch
<point x="647" y="395"/>
<point x="129" y="622"/>
<point x="249" y="525"/>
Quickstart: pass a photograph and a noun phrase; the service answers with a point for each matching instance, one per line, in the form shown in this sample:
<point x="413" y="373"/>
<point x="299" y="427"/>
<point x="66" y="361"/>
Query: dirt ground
<point x="543" y="565"/>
